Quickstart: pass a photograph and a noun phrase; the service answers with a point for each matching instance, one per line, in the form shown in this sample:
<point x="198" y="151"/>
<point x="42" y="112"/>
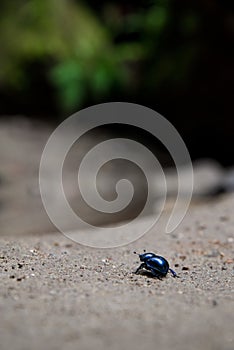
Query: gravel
<point x="56" y="294"/>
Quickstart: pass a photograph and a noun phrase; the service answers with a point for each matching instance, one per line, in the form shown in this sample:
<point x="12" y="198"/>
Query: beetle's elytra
<point x="157" y="265"/>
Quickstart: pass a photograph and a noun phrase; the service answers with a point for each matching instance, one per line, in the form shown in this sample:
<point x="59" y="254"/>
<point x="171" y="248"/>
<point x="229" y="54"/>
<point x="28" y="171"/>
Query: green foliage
<point x="78" y="47"/>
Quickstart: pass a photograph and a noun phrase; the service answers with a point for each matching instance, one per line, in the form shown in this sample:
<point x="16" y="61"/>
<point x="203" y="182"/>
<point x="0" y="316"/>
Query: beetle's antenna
<point x="139" y="253"/>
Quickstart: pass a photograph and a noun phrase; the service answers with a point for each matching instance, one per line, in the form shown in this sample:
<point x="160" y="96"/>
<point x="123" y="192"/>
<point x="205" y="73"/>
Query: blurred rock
<point x="208" y="178"/>
<point x="228" y="181"/>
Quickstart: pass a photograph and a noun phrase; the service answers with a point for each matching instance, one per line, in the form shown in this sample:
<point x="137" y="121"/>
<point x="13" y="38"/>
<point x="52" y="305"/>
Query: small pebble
<point x="20" y="278"/>
<point x="68" y="245"/>
<point x="185" y="268"/>
<point x="224" y="218"/>
<point x="182" y="257"/>
<point x="214" y="303"/>
<point x="201" y="227"/>
<point x="213" y="254"/>
<point x="229" y="261"/>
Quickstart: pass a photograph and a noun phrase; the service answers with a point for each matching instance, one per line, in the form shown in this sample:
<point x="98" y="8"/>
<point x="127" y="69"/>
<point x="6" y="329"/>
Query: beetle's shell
<point x="146" y="256"/>
<point x="159" y="264"/>
<point x="156" y="262"/>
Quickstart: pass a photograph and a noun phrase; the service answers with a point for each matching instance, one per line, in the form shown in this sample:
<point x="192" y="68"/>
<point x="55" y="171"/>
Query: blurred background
<point x="57" y="57"/>
<point x="175" y="56"/>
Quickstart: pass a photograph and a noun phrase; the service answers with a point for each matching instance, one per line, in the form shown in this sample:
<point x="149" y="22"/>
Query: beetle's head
<point x="141" y="256"/>
<point x="145" y="256"/>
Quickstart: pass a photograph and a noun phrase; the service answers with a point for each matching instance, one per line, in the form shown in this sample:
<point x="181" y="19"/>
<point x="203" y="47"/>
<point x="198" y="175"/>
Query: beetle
<point x="156" y="264"/>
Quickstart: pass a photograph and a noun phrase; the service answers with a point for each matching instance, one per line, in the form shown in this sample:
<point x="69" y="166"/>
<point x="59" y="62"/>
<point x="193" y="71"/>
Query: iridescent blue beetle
<point x="156" y="264"/>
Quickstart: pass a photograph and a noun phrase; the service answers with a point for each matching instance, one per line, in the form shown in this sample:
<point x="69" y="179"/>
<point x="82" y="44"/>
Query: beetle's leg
<point x="142" y="266"/>
<point x="174" y="274"/>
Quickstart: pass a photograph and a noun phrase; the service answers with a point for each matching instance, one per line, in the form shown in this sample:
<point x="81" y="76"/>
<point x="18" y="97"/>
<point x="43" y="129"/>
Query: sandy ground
<point x="56" y="294"/>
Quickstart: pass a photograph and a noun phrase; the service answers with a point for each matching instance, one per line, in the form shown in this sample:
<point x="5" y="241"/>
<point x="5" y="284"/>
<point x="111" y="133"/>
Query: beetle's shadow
<point x="144" y="272"/>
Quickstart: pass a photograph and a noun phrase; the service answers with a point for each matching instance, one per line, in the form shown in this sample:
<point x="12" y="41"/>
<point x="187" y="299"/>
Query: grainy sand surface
<point x="56" y="294"/>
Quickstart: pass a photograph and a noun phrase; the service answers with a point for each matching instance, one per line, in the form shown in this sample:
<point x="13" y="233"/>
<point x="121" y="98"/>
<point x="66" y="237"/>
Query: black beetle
<point x="156" y="264"/>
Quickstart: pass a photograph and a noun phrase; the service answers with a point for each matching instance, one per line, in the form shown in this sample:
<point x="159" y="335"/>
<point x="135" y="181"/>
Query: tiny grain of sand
<point x="56" y="294"/>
